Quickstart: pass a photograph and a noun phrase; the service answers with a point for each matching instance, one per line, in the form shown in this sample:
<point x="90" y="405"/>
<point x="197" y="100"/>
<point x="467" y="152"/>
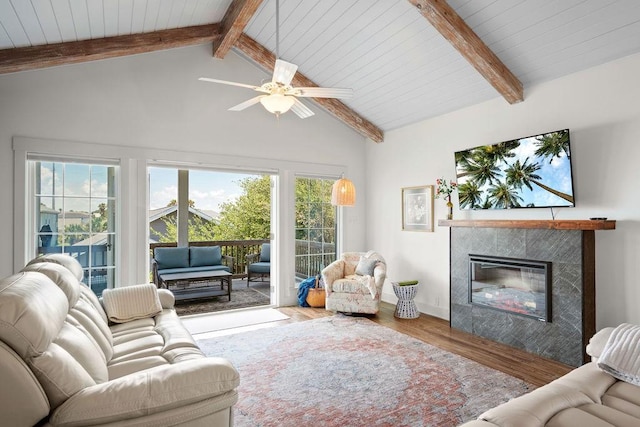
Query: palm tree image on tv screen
<point x="530" y="172"/>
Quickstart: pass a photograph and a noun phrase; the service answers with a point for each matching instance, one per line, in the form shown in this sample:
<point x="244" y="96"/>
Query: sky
<point x="208" y="189"/>
<point x="78" y="182"/>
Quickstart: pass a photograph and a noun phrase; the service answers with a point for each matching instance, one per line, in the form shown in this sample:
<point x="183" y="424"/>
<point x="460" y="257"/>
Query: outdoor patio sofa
<point x="588" y="396"/>
<point x="188" y="259"/>
<point x="70" y="359"/>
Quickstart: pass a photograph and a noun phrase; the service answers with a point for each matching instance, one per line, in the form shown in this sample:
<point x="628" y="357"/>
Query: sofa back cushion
<point x="265" y="252"/>
<point x="64" y="260"/>
<point x="171" y="257"/>
<point x="36" y="323"/>
<point x="200" y="256"/>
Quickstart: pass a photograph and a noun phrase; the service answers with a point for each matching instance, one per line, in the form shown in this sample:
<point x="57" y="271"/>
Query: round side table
<point x="406" y="308"/>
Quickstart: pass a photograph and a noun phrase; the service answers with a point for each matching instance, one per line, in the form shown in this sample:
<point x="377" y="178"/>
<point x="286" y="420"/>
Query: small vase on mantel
<point x="449" y="209"/>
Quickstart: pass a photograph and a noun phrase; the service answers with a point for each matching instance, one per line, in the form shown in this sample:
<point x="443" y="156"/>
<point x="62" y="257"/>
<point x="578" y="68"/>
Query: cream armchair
<point x="353" y="283"/>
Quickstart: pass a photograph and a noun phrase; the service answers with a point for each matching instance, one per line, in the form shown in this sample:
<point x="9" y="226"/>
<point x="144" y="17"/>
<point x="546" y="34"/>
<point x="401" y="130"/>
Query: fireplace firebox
<point x="513" y="285"/>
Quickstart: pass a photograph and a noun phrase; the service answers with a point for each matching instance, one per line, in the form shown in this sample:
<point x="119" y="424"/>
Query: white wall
<point x="154" y="102"/>
<point x="601" y="108"/>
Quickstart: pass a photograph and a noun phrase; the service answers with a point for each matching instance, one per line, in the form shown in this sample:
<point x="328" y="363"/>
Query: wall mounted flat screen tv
<point x="530" y="172"/>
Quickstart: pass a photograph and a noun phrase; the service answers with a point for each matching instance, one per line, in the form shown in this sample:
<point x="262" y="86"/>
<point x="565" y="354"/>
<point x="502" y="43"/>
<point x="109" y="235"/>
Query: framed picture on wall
<point x="417" y="208"/>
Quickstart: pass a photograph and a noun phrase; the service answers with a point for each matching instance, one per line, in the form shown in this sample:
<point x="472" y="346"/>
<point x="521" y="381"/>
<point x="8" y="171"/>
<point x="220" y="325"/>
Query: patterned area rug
<point x="349" y="371"/>
<point x="241" y="297"/>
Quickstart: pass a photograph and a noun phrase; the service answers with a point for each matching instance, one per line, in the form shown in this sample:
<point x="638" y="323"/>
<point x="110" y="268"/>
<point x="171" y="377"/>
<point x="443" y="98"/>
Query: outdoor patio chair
<point x="259" y="265"/>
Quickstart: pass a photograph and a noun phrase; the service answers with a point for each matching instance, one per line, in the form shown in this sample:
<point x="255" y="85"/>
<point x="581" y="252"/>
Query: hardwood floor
<point x="432" y="330"/>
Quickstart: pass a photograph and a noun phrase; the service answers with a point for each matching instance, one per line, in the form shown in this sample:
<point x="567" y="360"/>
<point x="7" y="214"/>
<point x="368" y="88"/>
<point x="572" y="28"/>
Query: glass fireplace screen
<point x="513" y="285"/>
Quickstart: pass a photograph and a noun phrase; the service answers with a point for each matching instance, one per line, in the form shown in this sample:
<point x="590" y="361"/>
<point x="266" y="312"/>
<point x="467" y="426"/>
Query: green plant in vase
<point x="444" y="189"/>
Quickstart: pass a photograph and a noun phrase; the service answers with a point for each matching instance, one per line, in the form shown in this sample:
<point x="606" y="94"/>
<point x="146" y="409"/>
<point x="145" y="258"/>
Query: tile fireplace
<point x="551" y="313"/>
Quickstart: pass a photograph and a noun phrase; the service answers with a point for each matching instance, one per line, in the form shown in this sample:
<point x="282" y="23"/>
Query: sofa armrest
<point x="251" y="258"/>
<point x="597" y="343"/>
<point x="148" y="392"/>
<point x="167" y="299"/>
<point x="331" y="273"/>
<point x="229" y="262"/>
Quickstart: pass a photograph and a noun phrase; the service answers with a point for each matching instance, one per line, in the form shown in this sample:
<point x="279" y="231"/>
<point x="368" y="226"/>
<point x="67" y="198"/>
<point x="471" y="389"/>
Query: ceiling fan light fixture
<point x="343" y="193"/>
<point x="277" y="103"/>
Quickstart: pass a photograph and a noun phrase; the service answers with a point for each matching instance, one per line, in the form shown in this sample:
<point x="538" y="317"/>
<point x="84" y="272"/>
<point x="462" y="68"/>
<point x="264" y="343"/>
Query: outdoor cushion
<point x="192" y="269"/>
<point x="172" y="257"/>
<point x="265" y="252"/>
<point x="260" y="267"/>
<point x="205" y="255"/>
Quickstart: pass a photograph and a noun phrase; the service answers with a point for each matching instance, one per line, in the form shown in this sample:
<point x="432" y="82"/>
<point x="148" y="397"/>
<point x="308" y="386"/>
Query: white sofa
<point x="64" y="363"/>
<point x="585" y="397"/>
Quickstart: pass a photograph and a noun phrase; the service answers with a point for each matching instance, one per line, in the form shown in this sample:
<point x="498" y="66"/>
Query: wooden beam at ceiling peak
<point x="233" y="24"/>
<point x="51" y="55"/>
<point x="461" y="36"/>
<point x="263" y="57"/>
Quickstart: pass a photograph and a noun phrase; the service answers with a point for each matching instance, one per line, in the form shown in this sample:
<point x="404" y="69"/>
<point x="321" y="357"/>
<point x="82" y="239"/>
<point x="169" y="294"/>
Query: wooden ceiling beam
<point x="233" y="24"/>
<point x="51" y="55"/>
<point x="263" y="57"/>
<point x="464" y="39"/>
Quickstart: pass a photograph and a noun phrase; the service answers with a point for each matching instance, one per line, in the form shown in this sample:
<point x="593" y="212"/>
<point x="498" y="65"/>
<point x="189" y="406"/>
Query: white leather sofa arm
<point x="331" y="273"/>
<point x="167" y="299"/>
<point x="597" y="343"/>
<point x="149" y="392"/>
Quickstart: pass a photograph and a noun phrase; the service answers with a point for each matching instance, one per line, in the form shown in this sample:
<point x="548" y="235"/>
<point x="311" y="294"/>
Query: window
<point x="74" y="213"/>
<point x="315" y="226"/>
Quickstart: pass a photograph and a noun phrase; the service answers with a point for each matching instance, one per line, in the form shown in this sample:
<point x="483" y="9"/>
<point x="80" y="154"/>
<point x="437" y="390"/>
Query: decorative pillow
<point x="265" y="253"/>
<point x="205" y="255"/>
<point x="365" y="266"/>
<point x="172" y="257"/>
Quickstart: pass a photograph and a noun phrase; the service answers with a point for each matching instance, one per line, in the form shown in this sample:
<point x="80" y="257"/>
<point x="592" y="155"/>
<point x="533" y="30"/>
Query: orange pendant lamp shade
<point x="343" y="193"/>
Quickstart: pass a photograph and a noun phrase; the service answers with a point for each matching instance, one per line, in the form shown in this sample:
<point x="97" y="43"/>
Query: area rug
<point x="350" y="371"/>
<point x="241" y="297"/>
<point x="220" y="321"/>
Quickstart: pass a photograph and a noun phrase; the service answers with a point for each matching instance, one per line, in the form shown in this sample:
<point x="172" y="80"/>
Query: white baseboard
<point x="432" y="310"/>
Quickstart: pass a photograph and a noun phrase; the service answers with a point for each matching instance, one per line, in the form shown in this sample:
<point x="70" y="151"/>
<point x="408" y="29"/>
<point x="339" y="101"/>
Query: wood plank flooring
<point x="432" y="330"/>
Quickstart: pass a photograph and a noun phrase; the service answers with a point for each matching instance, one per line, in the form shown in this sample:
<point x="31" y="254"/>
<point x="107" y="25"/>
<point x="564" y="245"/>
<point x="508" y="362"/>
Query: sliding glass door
<point x="315" y="226"/>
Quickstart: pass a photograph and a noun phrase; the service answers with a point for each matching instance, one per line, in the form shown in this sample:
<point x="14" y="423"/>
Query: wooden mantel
<point x="566" y="224"/>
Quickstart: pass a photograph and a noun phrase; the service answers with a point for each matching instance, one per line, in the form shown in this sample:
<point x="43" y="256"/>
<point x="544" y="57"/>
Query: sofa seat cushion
<point x="146" y="343"/>
<point x="194" y="269"/>
<point x="592" y="415"/>
<point x="260" y="267"/>
<point x="352" y="284"/>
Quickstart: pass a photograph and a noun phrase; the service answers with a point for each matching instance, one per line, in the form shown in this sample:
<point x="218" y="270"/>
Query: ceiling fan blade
<point x="301" y="110"/>
<point x="247" y="104"/>
<point x="225" y="82"/>
<point x="322" y="92"/>
<point x="283" y="72"/>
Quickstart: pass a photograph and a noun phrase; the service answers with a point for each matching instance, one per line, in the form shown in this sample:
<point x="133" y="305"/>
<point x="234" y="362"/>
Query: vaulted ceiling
<point x="407" y="60"/>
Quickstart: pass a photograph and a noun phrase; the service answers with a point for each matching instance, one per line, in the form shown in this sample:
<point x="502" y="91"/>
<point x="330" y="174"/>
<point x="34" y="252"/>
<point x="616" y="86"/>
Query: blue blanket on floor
<point x="303" y="290"/>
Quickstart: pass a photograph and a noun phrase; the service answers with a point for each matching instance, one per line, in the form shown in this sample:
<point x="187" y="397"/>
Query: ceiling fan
<point x="280" y="96"/>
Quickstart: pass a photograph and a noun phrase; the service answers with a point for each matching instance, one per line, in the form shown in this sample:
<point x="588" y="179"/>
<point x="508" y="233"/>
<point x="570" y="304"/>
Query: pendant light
<point x="343" y="192"/>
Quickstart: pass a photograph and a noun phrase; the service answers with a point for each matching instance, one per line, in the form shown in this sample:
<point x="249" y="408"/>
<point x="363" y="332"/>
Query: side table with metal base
<point x="406" y="308"/>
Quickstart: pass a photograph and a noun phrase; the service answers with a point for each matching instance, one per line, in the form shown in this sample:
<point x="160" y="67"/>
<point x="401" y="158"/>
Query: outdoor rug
<point x="241" y="297"/>
<point x="350" y="371"/>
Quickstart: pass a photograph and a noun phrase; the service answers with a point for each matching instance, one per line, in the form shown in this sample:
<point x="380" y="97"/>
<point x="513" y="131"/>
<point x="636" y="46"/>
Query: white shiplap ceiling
<point x="401" y="69"/>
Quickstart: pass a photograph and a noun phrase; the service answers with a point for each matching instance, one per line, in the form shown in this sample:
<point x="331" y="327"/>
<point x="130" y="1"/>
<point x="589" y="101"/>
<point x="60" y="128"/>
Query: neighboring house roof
<point x="155" y="214"/>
